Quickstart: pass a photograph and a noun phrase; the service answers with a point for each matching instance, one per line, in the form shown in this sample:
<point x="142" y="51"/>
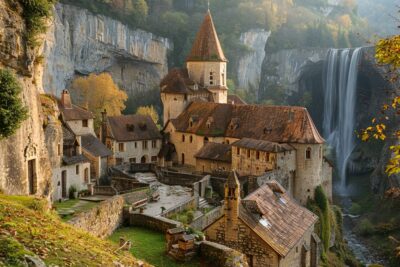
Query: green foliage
<point x="355" y="209"/>
<point x="365" y="227"/>
<point x="12" y="251"/>
<point x="71" y="191"/>
<point x="35" y="13"/>
<point x="12" y="111"/>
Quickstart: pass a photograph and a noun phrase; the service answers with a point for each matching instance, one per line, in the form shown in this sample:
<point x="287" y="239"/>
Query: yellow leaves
<point x="376" y="131"/>
<point x="388" y="51"/>
<point x="149" y="111"/>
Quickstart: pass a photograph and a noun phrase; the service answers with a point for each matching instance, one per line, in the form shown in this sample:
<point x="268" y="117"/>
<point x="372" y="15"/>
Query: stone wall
<point x="207" y="219"/>
<point x="189" y="204"/>
<point x="216" y="255"/>
<point x="159" y="224"/>
<point x="103" y="219"/>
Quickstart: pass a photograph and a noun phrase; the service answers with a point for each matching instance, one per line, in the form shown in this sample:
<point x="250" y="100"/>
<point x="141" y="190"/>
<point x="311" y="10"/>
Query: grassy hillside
<point x="26" y="227"/>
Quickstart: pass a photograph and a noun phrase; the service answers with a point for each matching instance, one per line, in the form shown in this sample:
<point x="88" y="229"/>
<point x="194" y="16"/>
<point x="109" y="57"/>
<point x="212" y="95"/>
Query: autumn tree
<point x="98" y="93"/>
<point x="149" y="111"/>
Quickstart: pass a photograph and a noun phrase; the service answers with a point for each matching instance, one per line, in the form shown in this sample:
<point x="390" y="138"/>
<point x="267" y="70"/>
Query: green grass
<point x="149" y="245"/>
<point x="24" y="228"/>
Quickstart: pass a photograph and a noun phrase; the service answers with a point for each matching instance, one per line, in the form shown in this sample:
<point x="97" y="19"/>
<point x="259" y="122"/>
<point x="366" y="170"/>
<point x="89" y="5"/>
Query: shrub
<point x="365" y="227"/>
<point x="355" y="209"/>
<point x="39" y="205"/>
<point x="12" y="111"/>
<point x="190" y="216"/>
<point x="72" y="190"/>
<point x="35" y="14"/>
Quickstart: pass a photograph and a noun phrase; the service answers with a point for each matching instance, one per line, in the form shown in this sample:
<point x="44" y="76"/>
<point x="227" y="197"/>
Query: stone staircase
<point x="202" y="203"/>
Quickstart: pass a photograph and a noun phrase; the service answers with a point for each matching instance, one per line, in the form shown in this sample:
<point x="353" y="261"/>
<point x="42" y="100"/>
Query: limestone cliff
<point x="27" y="145"/>
<point x="79" y="43"/>
<point x="249" y="66"/>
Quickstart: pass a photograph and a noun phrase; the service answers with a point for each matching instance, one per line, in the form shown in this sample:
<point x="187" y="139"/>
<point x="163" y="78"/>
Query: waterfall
<point x="340" y="84"/>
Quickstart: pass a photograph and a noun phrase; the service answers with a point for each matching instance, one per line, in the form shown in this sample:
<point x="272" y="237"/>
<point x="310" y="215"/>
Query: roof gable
<point x="206" y="46"/>
<point x="279" y="124"/>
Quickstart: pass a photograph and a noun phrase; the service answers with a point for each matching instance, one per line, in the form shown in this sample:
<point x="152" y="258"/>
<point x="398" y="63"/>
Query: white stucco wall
<point x="77" y="127"/>
<point x="131" y="151"/>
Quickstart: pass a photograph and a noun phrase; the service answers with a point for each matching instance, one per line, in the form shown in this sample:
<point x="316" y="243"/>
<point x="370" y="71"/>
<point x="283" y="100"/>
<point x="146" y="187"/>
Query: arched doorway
<point x="143" y="159"/>
<point x="183" y="158"/>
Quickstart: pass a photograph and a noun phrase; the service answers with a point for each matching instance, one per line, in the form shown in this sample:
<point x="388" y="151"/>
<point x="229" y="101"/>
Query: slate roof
<point x="177" y="81"/>
<point x="74" y="113"/>
<point x="136" y="127"/>
<point x="279" y="124"/>
<point x="262" y="145"/>
<point x="206" y="46"/>
<point x="276" y="217"/>
<point x="69" y="137"/>
<point x="235" y="99"/>
<point x="93" y="146"/>
<point x="215" y="151"/>
<point x="75" y="160"/>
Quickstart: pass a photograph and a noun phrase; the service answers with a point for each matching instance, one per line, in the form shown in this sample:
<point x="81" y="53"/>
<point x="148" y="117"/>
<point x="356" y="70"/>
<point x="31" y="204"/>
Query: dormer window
<point x="130" y="127"/>
<point x="85" y="123"/>
<point x="209" y="122"/>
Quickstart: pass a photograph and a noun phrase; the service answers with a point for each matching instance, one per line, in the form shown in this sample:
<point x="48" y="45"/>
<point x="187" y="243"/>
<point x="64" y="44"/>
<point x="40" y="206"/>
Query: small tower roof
<point x="206" y="46"/>
<point x="233" y="180"/>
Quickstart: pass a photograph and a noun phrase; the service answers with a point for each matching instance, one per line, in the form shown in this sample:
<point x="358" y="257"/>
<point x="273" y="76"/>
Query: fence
<point x="207" y="219"/>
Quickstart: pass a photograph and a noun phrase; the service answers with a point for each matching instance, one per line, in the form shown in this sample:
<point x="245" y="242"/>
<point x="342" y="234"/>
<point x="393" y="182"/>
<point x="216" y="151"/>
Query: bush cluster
<point x="12" y="111"/>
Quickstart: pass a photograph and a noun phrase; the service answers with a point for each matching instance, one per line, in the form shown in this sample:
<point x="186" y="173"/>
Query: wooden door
<point x="32" y="177"/>
<point x="64" y="184"/>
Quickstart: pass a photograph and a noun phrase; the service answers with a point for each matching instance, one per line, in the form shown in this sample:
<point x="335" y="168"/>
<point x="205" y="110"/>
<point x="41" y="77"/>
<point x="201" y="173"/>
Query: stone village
<point x="246" y="170"/>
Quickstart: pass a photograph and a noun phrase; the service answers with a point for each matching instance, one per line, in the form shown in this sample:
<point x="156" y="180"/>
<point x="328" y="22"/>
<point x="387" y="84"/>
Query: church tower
<point x="231" y="206"/>
<point x="206" y="63"/>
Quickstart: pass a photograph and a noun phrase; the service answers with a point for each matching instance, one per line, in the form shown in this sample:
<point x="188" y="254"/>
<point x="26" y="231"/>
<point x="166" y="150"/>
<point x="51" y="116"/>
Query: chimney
<point x="66" y="99"/>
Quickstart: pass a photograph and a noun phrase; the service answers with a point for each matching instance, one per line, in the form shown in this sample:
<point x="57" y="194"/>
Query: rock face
<point x="27" y="147"/>
<point x="80" y="43"/>
<point x="304" y="71"/>
<point x="249" y="66"/>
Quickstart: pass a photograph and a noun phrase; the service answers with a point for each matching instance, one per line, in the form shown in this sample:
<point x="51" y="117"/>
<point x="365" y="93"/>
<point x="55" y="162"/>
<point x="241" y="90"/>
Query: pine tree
<point x="12" y="111"/>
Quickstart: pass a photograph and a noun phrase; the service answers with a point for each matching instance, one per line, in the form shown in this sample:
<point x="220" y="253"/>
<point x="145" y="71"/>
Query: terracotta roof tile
<point x="177" y="81"/>
<point x="262" y="145"/>
<point x="215" y="151"/>
<point x="279" y="124"/>
<point x="276" y="217"/>
<point x="206" y="46"/>
<point x="133" y="128"/>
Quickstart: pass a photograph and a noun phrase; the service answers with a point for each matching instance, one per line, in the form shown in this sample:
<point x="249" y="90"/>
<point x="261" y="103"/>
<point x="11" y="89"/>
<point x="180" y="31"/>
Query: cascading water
<point x="340" y="84"/>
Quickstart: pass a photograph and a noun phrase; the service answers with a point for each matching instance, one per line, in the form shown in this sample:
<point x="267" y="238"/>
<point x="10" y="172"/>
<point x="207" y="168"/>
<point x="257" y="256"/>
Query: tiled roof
<point x="132" y="128"/>
<point x="279" y="124"/>
<point x="75" y="160"/>
<point x="276" y="217"/>
<point x="262" y="145"/>
<point x="92" y="145"/>
<point x="74" y="113"/>
<point x="206" y="46"/>
<point x="69" y="137"/>
<point x="215" y="151"/>
<point x="177" y="81"/>
<point x="235" y="99"/>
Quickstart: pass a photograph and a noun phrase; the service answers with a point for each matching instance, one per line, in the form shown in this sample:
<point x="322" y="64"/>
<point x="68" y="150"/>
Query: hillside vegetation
<point x="26" y="228"/>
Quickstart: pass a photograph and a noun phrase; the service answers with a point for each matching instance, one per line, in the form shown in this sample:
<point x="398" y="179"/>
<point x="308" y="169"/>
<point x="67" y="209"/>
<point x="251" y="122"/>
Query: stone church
<point x="267" y="142"/>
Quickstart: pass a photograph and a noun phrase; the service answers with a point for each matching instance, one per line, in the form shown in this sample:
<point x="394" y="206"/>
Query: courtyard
<point x="149" y="246"/>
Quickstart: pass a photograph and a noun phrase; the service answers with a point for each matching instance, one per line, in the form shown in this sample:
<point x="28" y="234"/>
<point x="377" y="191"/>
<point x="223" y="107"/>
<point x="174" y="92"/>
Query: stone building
<point x="214" y="157"/>
<point x="268" y="226"/>
<point x="81" y="123"/>
<point x="197" y="111"/>
<point x="132" y="138"/>
<point x="74" y="169"/>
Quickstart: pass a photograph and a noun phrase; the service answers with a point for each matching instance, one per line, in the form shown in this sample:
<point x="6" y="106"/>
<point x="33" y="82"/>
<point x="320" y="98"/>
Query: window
<point x="121" y="147"/>
<point x="223" y="78"/>
<point x="205" y="139"/>
<point x="248" y="153"/>
<point x="86" y="175"/>
<point x="211" y="78"/>
<point x="258" y="155"/>
<point x="308" y="153"/>
<point x="183" y="138"/>
<point x="119" y="161"/>
<point x="191" y="139"/>
<point x="190" y="123"/>
<point x="267" y="158"/>
<point x="227" y="141"/>
<point x="154" y="143"/>
<point x="59" y="149"/>
<point x="77" y="169"/>
<point x="135" y="144"/>
<point x="144" y="144"/>
<point x="238" y="150"/>
<point x="132" y="160"/>
<point x="85" y="123"/>
<point x="154" y="158"/>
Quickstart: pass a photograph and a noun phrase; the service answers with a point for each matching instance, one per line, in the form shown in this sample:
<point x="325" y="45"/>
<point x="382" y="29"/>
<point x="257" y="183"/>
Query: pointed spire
<point x="206" y="46"/>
